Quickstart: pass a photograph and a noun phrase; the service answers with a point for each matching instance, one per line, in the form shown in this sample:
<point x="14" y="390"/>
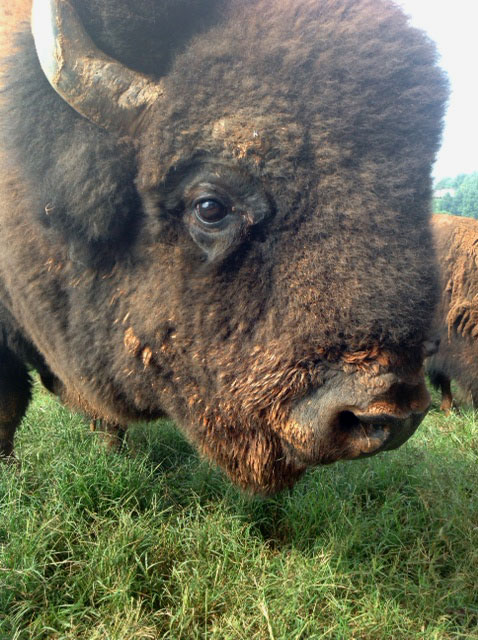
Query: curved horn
<point x="98" y="87"/>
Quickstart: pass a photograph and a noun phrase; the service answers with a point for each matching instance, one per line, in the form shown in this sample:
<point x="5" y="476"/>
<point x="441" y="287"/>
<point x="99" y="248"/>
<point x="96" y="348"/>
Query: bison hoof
<point x="111" y="434"/>
<point x="9" y="459"/>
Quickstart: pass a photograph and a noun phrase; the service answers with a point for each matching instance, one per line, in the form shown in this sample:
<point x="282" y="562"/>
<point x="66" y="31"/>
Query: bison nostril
<point x="362" y="435"/>
<point x="347" y="421"/>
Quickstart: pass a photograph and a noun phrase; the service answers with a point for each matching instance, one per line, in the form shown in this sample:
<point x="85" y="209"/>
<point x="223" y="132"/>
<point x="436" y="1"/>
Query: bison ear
<point x="98" y="87"/>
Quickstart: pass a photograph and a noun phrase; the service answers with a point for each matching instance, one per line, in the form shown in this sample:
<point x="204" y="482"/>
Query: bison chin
<point x="352" y="415"/>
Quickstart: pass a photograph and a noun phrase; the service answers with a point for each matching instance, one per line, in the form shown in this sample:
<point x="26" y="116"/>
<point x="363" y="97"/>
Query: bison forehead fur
<point x="308" y="128"/>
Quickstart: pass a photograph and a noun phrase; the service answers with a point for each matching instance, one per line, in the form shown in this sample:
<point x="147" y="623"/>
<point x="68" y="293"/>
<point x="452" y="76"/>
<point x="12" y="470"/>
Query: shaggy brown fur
<point x="456" y="322"/>
<point x="12" y="14"/>
<point x="316" y="121"/>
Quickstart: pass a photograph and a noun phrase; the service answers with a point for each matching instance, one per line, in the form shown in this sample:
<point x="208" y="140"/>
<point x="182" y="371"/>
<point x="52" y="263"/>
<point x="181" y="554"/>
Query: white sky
<point x="453" y="25"/>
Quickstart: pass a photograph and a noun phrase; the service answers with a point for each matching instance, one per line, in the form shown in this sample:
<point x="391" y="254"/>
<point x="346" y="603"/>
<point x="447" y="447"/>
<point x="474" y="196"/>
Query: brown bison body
<point x="218" y="211"/>
<point x="456" y="322"/>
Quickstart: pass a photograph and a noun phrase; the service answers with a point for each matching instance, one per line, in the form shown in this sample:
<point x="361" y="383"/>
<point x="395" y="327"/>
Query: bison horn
<point x="98" y="87"/>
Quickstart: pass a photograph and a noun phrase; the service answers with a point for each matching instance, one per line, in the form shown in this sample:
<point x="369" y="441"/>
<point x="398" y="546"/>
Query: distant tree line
<point x="458" y="195"/>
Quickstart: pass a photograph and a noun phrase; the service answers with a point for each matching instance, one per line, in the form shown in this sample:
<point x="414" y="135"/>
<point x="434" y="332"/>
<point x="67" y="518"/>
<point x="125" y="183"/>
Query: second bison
<point x="456" y="321"/>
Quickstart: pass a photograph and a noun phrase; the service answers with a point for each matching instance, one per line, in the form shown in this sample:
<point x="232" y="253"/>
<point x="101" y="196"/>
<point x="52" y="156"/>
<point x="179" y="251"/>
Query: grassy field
<point x="157" y="544"/>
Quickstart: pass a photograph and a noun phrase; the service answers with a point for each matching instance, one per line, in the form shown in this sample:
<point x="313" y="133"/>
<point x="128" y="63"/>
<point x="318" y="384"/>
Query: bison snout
<point x="364" y="434"/>
<point x="357" y="417"/>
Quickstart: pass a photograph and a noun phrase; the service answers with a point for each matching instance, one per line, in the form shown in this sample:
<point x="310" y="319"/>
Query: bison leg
<point x="474" y="397"/>
<point x="446" y="395"/>
<point x="111" y="433"/>
<point x="15" y="394"/>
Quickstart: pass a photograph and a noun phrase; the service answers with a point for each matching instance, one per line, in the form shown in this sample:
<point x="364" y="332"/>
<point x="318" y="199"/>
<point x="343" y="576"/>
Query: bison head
<point x="274" y="291"/>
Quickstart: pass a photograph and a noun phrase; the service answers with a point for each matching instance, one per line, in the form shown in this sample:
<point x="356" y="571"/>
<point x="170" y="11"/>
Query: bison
<point x="218" y="211"/>
<point x="456" y="319"/>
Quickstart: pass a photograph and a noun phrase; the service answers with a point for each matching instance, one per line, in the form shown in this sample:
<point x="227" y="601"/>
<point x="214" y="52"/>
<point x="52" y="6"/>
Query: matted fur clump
<point x="456" y="321"/>
<point x="304" y="131"/>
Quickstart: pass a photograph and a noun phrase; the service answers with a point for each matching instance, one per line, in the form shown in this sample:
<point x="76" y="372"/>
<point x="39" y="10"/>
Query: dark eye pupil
<point x="210" y="211"/>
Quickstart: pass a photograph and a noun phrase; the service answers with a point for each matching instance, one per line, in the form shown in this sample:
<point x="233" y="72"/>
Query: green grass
<point x="155" y="543"/>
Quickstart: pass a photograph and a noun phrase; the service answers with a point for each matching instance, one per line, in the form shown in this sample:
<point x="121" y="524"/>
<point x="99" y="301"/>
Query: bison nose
<point x="364" y="434"/>
<point x="356" y="416"/>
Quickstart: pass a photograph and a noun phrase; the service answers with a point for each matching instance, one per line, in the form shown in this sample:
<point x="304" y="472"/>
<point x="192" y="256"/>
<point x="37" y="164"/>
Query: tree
<point x="445" y="203"/>
<point x="445" y="183"/>
<point x="469" y="190"/>
<point x="465" y="200"/>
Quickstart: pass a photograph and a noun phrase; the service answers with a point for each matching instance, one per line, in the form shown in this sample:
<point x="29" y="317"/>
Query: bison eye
<point x="209" y="211"/>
